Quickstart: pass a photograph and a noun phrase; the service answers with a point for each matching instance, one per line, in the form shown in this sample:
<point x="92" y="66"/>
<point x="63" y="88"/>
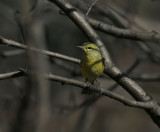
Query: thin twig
<point x="14" y="74"/>
<point x="90" y="7"/>
<point x="45" y="52"/>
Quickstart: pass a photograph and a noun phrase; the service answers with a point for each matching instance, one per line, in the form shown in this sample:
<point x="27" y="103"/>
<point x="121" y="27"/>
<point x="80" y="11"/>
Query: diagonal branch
<point x="124" y="33"/>
<point x="41" y="51"/>
<point x="90" y="7"/>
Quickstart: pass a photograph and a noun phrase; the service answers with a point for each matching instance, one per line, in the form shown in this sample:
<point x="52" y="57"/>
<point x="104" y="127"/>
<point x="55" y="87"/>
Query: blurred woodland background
<point x="67" y="109"/>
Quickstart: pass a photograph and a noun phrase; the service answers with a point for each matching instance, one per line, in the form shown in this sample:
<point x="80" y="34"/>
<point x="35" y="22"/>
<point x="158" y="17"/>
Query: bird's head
<point x="89" y="48"/>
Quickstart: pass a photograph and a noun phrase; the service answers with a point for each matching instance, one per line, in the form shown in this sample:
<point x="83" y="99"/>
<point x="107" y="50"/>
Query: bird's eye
<point x="89" y="47"/>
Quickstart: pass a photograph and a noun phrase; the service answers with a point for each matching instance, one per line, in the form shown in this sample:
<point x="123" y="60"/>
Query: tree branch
<point x="124" y="33"/>
<point x="122" y="99"/>
<point x="90" y="7"/>
<point x="41" y="51"/>
<point x="64" y="80"/>
<point x="14" y="74"/>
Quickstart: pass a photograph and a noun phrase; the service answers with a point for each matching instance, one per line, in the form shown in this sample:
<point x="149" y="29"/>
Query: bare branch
<point x="64" y="80"/>
<point x="90" y="7"/>
<point x="45" y="52"/>
<point x="128" y="102"/>
<point x="124" y="33"/>
<point x="14" y="74"/>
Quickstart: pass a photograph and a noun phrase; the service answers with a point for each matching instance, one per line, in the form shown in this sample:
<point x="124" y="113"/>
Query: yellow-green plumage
<point x="92" y="64"/>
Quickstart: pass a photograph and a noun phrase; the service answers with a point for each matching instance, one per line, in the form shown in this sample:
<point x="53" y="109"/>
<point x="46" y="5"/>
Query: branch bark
<point x="41" y="51"/>
<point x="124" y="33"/>
<point x="14" y="74"/>
<point x="90" y="7"/>
<point x="83" y="85"/>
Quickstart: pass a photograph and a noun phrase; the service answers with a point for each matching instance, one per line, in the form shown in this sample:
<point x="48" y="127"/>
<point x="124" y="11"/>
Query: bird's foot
<point x="86" y="90"/>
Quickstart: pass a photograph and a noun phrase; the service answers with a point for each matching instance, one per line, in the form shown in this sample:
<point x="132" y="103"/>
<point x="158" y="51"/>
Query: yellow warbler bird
<point x="92" y="62"/>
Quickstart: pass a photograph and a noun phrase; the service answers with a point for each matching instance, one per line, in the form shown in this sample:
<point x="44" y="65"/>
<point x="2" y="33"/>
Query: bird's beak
<point x="80" y="47"/>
